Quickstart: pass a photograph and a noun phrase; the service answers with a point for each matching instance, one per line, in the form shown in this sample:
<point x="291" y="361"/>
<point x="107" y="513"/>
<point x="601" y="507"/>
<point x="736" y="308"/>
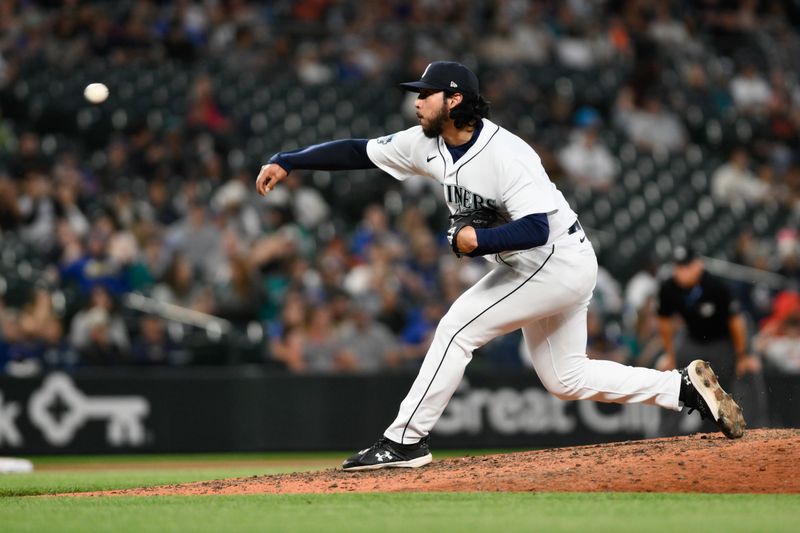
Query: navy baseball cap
<point x="446" y="76"/>
<point x="683" y="255"/>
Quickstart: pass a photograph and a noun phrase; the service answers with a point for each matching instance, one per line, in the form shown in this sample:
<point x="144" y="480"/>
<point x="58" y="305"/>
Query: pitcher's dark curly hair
<point x="469" y="111"/>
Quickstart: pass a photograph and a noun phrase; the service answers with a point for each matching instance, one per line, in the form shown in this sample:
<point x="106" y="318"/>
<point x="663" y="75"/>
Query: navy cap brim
<point x="417" y="86"/>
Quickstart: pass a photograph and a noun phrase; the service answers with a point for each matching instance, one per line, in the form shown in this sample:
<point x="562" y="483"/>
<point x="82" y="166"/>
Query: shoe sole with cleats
<point x="726" y="412"/>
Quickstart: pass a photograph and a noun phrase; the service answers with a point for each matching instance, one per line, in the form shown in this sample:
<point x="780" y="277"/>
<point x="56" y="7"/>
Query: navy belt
<point x="575" y="227"/>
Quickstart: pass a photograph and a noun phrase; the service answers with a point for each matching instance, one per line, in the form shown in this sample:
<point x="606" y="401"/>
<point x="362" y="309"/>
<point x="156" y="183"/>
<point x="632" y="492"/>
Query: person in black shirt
<point x="716" y="329"/>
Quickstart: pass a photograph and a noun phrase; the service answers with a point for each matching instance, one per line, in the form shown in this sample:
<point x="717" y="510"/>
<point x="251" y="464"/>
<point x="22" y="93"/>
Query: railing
<point x="737" y="272"/>
<point x="215" y="327"/>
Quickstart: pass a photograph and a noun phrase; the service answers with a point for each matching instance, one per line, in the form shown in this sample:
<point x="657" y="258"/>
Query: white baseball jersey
<point x="500" y="171"/>
<point x="545" y="291"/>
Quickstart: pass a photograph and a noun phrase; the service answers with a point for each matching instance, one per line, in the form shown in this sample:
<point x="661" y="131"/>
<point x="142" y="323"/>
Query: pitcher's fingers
<point x="258" y="181"/>
<point x="269" y="184"/>
<point x="261" y="181"/>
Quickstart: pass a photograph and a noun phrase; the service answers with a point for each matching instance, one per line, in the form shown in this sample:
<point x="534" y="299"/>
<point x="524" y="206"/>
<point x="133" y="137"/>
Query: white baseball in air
<point x="96" y="92"/>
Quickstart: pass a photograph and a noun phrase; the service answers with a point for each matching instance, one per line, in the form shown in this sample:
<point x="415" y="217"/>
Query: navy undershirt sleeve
<point x="527" y="232"/>
<point x="345" y="154"/>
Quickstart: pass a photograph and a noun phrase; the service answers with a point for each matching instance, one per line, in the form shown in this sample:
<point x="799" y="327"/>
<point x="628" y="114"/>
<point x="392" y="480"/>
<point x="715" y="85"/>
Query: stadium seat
<point x="666" y="182"/>
<point x="632" y="181"/>
<point x="646" y="167"/>
<point x="656" y="220"/>
<point x="652" y="194"/>
<point x="637" y="207"/>
<point x="602" y="209"/>
<point x="627" y="154"/>
<point x="622" y="221"/>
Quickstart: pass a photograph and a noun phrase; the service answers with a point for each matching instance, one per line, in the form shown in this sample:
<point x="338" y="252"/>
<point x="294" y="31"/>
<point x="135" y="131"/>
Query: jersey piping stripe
<point x="465" y="163"/>
<point x="444" y="163"/>
<point x="403" y="435"/>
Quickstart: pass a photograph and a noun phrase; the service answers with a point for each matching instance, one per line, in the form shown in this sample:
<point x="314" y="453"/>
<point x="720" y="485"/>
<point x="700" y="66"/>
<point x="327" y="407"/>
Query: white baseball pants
<point x="546" y="292"/>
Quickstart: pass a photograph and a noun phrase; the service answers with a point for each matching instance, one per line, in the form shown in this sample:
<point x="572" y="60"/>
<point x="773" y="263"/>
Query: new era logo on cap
<point x="446" y="76"/>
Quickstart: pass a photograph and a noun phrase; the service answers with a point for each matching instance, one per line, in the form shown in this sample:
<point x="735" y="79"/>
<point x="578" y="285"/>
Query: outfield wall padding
<point x="246" y="409"/>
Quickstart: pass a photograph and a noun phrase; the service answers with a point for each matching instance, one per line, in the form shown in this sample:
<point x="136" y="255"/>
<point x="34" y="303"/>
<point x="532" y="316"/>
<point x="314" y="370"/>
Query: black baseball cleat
<point x="700" y="389"/>
<point x="388" y="454"/>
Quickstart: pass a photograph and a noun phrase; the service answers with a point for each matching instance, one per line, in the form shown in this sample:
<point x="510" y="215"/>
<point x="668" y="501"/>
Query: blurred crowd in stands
<point x="313" y="285"/>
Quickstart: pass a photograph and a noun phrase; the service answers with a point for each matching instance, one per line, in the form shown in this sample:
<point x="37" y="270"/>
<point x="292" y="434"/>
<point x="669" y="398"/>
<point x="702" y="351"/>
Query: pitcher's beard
<point x="436" y="125"/>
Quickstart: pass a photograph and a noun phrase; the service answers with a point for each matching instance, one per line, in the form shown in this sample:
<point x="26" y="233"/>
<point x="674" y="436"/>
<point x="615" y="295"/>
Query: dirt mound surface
<point x="763" y="461"/>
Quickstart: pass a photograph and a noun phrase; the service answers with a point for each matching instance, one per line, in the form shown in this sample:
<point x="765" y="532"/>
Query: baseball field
<point x="707" y="481"/>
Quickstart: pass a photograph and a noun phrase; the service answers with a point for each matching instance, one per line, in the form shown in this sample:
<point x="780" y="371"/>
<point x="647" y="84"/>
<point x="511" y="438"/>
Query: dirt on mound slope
<point x="763" y="461"/>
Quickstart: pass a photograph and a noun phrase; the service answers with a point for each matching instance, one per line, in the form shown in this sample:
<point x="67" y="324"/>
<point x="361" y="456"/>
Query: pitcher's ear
<point x="455" y="99"/>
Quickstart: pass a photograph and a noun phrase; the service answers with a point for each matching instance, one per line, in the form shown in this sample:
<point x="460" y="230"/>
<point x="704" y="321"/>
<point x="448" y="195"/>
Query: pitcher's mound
<point x="762" y="461"/>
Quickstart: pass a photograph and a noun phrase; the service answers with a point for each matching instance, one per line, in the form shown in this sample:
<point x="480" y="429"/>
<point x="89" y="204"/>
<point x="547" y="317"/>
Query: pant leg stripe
<point x="402" y="437"/>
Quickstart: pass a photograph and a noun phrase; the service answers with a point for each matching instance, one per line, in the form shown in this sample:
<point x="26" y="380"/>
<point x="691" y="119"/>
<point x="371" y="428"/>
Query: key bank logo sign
<point x="59" y="410"/>
<point x="9" y="434"/>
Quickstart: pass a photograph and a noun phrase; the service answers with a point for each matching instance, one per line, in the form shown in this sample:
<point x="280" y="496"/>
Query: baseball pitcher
<point x="505" y="208"/>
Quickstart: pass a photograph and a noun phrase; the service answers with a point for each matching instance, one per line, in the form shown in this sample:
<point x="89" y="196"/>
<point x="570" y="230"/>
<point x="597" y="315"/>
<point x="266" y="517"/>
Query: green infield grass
<point x="493" y="512"/>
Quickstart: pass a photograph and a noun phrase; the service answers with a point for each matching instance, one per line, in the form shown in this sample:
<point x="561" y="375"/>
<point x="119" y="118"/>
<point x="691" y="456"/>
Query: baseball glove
<point x="483" y="217"/>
